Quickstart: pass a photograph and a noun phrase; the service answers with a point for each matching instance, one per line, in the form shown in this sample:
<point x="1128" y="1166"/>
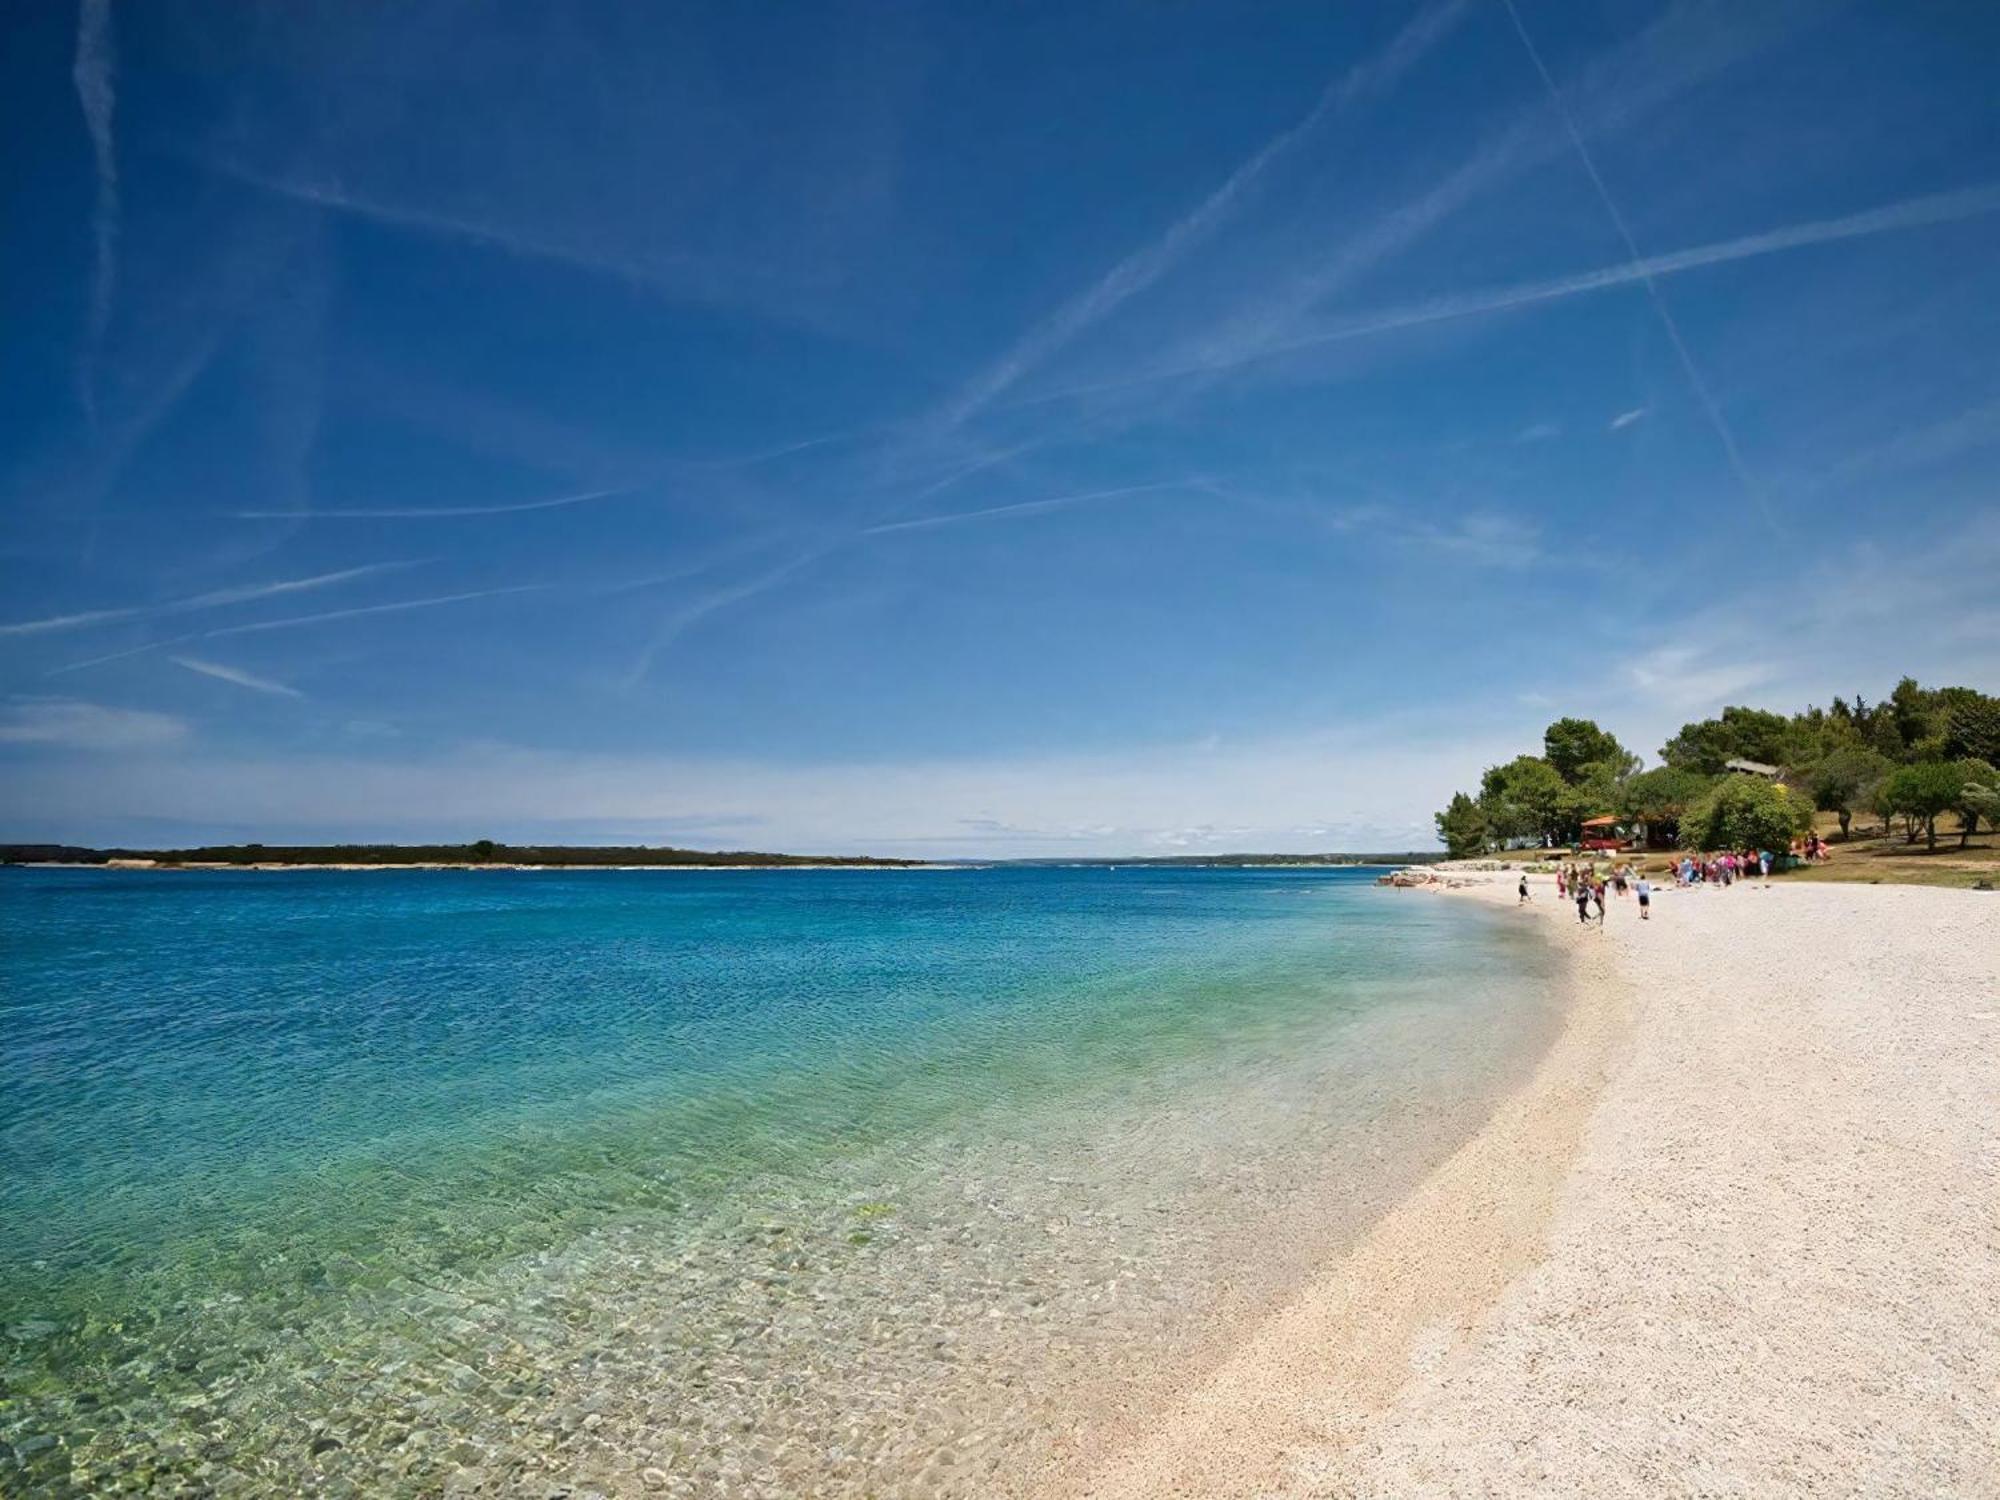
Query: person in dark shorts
<point x="1524" y="891"/>
<point x="1583" y="902"/>
<point x="1645" y="889"/>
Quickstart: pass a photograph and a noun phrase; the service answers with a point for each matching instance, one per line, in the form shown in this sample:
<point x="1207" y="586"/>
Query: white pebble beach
<point x="1739" y="1235"/>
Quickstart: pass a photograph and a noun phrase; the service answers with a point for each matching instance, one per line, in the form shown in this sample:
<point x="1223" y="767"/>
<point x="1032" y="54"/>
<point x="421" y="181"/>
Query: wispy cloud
<point x="1022" y="508"/>
<point x="235" y="675"/>
<point x="1724" y="433"/>
<point x="1148" y="264"/>
<point x="1927" y="443"/>
<point x="1484" y="538"/>
<point x="430" y="513"/>
<point x="213" y="599"/>
<point x="1540" y="432"/>
<point x="71" y="724"/>
<point x="1684" y="677"/>
<point x="1625" y="419"/>
<point x="91" y="72"/>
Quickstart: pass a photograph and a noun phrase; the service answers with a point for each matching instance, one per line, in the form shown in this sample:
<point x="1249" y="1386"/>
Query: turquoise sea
<point x="778" y="1182"/>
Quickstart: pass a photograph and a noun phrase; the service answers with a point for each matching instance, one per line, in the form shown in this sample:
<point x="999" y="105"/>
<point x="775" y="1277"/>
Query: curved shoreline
<point x="1736" y="1237"/>
<point x="1279" y="1412"/>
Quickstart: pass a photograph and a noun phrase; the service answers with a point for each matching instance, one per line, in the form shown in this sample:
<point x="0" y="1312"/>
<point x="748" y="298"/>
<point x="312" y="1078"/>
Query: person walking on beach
<point x="1644" y="887"/>
<point x="1597" y="895"/>
<point x="1524" y="890"/>
<point x="1582" y="901"/>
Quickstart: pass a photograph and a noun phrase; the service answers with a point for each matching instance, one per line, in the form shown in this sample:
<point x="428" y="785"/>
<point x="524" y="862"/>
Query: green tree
<point x="1921" y="792"/>
<point x="1977" y="781"/>
<point x="483" y="850"/>
<point x="1838" y="783"/>
<point x="1972" y="728"/>
<point x="1745" y="733"/>
<point x="1526" y="798"/>
<point x="1746" y="812"/>
<point x="1911" y="709"/>
<point x="1462" y="827"/>
<point x="1659" y="798"/>
<point x="1574" y="746"/>
<point x="1976" y="800"/>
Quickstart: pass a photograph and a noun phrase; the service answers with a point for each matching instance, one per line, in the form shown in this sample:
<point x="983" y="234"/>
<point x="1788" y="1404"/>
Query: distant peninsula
<point x="485" y="854"/>
<point x="482" y="854"/>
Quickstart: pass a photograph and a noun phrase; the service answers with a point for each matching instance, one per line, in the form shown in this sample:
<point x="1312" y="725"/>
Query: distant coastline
<point x="494" y="856"/>
<point x="483" y="855"/>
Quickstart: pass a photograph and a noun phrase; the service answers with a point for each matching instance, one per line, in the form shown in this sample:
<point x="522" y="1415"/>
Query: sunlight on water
<point x="752" y="1183"/>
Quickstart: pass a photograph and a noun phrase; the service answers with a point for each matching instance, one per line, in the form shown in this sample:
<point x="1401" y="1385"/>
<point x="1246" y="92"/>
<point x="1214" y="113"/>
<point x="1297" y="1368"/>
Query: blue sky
<point x="969" y="430"/>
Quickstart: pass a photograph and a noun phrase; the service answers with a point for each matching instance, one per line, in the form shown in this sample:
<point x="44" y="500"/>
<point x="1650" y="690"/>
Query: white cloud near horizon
<point x="235" y="675"/>
<point x="1178" y="797"/>
<point x="71" y="724"/>
<point x="1368" y="785"/>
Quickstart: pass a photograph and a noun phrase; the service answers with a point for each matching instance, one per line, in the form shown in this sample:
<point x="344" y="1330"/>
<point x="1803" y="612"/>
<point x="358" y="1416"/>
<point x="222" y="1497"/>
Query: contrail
<point x="1146" y="265"/>
<point x="678" y="623"/>
<point x="1023" y="508"/>
<point x="290" y="621"/>
<point x="214" y="599"/>
<point x="1688" y="366"/>
<point x="91" y="73"/>
<point x="371" y="609"/>
<point x="421" y="513"/>
<point x="235" y="675"/>
<point x="1915" y="213"/>
<point x="1498" y="156"/>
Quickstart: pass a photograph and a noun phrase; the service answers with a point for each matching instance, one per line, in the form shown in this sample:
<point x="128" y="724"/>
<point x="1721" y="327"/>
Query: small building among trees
<point x="1744" y="767"/>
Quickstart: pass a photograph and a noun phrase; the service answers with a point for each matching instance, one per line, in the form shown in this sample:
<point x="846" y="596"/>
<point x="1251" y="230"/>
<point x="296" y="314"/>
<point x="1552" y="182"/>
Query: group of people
<point x="1588" y="886"/>
<point x="1723" y="869"/>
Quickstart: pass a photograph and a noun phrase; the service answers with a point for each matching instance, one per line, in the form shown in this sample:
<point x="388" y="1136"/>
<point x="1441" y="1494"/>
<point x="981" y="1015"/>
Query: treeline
<point x="1917" y="755"/>
<point x="482" y="852"/>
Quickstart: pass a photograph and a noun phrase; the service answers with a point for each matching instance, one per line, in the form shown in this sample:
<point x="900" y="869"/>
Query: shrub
<point x="1746" y="812"/>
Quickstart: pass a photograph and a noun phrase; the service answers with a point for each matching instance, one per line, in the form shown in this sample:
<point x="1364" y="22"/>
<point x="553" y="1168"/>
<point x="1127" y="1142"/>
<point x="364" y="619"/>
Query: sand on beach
<point x="1739" y="1235"/>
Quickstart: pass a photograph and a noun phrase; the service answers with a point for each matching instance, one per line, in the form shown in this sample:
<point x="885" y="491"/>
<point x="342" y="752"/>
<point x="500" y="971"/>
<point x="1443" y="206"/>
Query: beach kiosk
<point x="1601" y="833"/>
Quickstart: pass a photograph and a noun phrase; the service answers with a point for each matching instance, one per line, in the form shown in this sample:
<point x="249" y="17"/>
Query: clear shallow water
<point x="787" y="1182"/>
